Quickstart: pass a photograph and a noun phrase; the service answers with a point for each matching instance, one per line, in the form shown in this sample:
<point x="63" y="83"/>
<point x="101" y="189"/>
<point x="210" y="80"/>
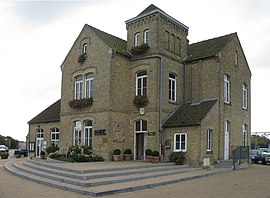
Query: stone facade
<point x="117" y="123"/>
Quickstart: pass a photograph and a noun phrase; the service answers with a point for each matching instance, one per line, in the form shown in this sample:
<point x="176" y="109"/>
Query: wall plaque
<point x="100" y="132"/>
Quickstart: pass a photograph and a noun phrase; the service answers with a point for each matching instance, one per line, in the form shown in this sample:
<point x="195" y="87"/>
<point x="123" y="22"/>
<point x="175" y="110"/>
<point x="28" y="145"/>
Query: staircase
<point x="105" y="178"/>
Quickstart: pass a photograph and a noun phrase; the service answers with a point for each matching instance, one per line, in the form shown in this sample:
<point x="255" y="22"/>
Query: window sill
<point x="209" y="152"/>
<point x="173" y="102"/>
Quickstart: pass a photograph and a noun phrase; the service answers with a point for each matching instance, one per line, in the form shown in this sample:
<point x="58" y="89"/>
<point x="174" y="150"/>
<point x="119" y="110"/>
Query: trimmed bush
<point x="155" y="153"/>
<point x="128" y="152"/>
<point x="116" y="152"/>
<point x="148" y="152"/>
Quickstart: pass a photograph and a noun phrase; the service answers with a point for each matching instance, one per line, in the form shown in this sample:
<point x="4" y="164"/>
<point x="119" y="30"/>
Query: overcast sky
<point x="35" y="37"/>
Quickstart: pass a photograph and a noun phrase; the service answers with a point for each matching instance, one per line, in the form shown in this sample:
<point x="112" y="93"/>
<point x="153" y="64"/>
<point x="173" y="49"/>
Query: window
<point x="209" y="139"/>
<point x="235" y="58"/>
<point x="141" y="126"/>
<point x="226" y="89"/>
<point x="77" y="135"/>
<point x="172" y="87"/>
<point x="31" y="146"/>
<point x="245" y="96"/>
<point x="180" y="142"/>
<point x="78" y="87"/>
<point x="227" y="127"/>
<point x="89" y="85"/>
<point x="146" y="37"/>
<point x="137" y="39"/>
<point x="40" y="133"/>
<point x="88" y="133"/>
<point x="141" y="83"/>
<point x="244" y="135"/>
<point x="55" y="136"/>
<point x="85" y="48"/>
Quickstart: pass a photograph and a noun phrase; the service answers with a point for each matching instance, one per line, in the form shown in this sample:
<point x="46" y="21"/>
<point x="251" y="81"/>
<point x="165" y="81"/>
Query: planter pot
<point x="116" y="158"/>
<point x="155" y="159"/>
<point x="148" y="158"/>
<point x="17" y="155"/>
<point x="42" y="156"/>
<point x="127" y="157"/>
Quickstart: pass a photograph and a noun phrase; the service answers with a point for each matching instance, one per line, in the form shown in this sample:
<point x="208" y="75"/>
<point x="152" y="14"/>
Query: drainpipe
<point x="185" y="76"/>
<point x="160" y="106"/>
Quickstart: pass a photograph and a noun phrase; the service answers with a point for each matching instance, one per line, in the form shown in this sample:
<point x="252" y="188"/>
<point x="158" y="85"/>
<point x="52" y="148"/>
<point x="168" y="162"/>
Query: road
<point x="251" y="182"/>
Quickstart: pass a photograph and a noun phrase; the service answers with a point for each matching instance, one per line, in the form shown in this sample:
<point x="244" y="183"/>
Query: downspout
<point x="185" y="77"/>
<point x="160" y="107"/>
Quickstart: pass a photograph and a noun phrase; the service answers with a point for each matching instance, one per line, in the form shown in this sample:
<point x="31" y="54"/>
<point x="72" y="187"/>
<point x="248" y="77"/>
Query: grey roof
<point x="113" y="42"/>
<point x="208" y="48"/>
<point x="50" y="114"/>
<point x="190" y="114"/>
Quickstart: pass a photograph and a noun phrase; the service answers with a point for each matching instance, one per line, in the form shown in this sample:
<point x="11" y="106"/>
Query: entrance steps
<point x="97" y="179"/>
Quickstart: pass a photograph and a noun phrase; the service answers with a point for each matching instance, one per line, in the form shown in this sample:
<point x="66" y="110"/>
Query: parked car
<point x="3" y="149"/>
<point x="265" y="157"/>
<point x="24" y="152"/>
<point x="256" y="156"/>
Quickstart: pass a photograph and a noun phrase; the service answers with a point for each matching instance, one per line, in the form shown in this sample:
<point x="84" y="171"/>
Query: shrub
<point x="87" y="150"/>
<point x="52" y="149"/>
<point x="128" y="151"/>
<point x="82" y="58"/>
<point x="116" y="152"/>
<point x="177" y="157"/>
<point x="79" y="103"/>
<point x="155" y="153"/>
<point x="148" y="152"/>
<point x="140" y="49"/>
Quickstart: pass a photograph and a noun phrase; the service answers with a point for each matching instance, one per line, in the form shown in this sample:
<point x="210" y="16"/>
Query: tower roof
<point x="154" y="9"/>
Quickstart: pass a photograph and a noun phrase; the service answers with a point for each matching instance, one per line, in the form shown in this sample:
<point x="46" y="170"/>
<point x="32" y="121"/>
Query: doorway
<point x="40" y="146"/>
<point x="140" y="145"/>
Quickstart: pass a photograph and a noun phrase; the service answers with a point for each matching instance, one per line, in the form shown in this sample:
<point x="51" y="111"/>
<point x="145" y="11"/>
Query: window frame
<point x="209" y="139"/>
<point x="244" y="96"/>
<point x="142" y="124"/>
<point x="244" y="134"/>
<point x="141" y="83"/>
<point x="172" y="89"/>
<point x="137" y="39"/>
<point x="56" y="133"/>
<point x="39" y="133"/>
<point x="85" y="49"/>
<point x="78" y="87"/>
<point x="180" y="149"/>
<point x="88" y="129"/>
<point x="146" y="37"/>
<point x="77" y="140"/>
<point x="227" y="95"/>
<point x="89" y="85"/>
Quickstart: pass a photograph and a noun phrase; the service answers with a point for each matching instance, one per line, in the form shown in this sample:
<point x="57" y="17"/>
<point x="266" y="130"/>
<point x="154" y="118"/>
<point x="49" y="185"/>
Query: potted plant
<point x="82" y="58"/>
<point x="42" y="154"/>
<point x="17" y="153"/>
<point x="148" y="155"/>
<point x="116" y="154"/>
<point x="4" y="155"/>
<point x="127" y="154"/>
<point x="138" y="50"/>
<point x="140" y="101"/>
<point x="155" y="157"/>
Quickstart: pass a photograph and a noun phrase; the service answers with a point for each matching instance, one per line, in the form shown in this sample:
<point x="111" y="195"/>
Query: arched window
<point x="55" y="136"/>
<point x="78" y="87"/>
<point x="172" y="87"/>
<point x="137" y="39"/>
<point x="88" y="133"/>
<point x="245" y="96"/>
<point x="146" y="37"/>
<point x="141" y="83"/>
<point x="39" y="133"/>
<point x="85" y="48"/>
<point x="77" y="133"/>
<point x="89" y="85"/>
<point x="227" y="96"/>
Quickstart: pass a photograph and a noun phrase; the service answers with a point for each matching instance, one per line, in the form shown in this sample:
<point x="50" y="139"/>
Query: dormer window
<point x="137" y="39"/>
<point x="146" y="37"/>
<point x="85" y="48"/>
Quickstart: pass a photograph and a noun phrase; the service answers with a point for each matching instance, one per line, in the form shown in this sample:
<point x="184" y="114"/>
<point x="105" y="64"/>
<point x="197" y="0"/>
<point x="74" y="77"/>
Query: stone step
<point x="124" y="183"/>
<point x="103" y="180"/>
<point x="67" y="167"/>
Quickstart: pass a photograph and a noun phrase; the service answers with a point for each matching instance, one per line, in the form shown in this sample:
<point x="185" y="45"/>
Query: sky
<point x="35" y="37"/>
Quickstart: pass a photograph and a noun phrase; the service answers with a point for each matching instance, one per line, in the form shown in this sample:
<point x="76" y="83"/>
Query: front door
<point x="139" y="148"/>
<point x="40" y="146"/>
<point x="226" y="145"/>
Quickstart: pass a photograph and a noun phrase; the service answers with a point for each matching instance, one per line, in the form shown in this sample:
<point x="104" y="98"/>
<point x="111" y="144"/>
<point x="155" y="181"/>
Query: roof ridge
<point x="219" y="37"/>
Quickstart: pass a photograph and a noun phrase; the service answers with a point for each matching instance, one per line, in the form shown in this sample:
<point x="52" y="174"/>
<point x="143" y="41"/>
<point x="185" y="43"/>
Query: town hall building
<point x="154" y="90"/>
